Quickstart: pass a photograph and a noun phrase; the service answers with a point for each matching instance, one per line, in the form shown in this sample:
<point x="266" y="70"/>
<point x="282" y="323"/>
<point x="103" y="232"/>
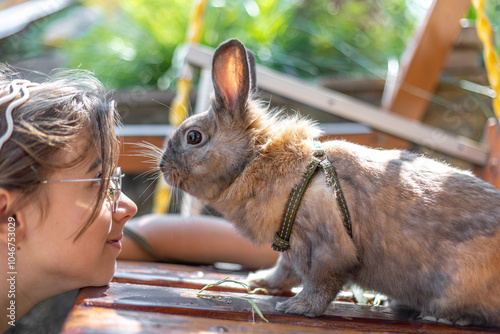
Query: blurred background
<point x="135" y="48"/>
<point x="131" y="43"/>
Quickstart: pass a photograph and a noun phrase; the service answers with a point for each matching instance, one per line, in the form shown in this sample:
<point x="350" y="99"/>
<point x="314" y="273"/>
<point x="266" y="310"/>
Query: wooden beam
<point x="133" y="159"/>
<point x="422" y="62"/>
<point x="18" y="15"/>
<point x="491" y="172"/>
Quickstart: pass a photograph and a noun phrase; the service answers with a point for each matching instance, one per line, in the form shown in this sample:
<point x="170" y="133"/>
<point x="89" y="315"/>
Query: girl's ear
<point x="11" y="228"/>
<point x="231" y="78"/>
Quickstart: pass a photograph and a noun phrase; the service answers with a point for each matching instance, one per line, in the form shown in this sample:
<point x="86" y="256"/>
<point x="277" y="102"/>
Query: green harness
<point x="282" y="237"/>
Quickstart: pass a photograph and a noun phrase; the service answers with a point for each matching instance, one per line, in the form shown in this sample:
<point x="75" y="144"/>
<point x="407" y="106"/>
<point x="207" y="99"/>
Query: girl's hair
<point x="71" y="105"/>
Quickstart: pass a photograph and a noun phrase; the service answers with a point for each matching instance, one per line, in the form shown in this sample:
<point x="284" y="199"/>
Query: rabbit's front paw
<point x="303" y="306"/>
<point x="431" y="318"/>
<point x="461" y="321"/>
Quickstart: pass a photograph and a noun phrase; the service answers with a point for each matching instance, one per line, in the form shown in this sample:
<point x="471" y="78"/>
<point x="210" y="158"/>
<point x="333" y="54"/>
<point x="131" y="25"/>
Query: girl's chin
<point x="106" y="275"/>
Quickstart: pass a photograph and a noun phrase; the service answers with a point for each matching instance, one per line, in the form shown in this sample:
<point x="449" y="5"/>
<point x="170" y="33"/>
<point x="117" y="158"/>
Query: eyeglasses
<point x="115" y="185"/>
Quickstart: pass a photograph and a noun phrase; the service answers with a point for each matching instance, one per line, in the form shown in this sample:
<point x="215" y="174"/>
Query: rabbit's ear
<point x="252" y="70"/>
<point x="230" y="76"/>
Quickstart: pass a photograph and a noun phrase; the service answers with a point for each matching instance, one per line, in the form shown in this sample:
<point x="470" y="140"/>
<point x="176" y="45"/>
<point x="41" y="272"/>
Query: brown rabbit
<point x="424" y="233"/>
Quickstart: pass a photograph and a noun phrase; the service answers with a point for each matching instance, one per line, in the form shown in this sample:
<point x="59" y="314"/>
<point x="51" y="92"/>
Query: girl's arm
<point x="197" y="240"/>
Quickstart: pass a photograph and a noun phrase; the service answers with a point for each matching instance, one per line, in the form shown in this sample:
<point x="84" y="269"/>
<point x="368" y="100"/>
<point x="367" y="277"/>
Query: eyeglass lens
<point x="116" y="187"/>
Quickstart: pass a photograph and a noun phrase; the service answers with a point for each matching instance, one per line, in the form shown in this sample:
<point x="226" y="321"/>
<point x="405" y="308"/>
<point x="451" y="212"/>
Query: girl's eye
<point x="194" y="137"/>
<point x="98" y="176"/>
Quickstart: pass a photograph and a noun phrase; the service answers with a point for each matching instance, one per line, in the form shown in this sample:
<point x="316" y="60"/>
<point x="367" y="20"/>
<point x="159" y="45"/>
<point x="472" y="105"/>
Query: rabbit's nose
<point x="162" y="163"/>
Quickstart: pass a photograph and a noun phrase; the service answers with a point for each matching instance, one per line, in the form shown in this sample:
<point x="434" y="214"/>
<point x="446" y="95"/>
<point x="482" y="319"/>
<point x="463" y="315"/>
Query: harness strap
<point x="141" y="241"/>
<point x="282" y="238"/>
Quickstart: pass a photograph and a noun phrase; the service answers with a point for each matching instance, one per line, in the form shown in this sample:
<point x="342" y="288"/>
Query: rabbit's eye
<point x="194" y="137"/>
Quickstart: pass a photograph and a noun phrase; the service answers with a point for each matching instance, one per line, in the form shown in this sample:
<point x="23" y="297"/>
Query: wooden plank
<point x="132" y="156"/>
<point x="367" y="139"/>
<point x="89" y="319"/>
<point x="174" y="275"/>
<point x="491" y="172"/>
<point x="189" y="277"/>
<point x="18" y="16"/>
<point x="423" y="61"/>
<point x="339" y="316"/>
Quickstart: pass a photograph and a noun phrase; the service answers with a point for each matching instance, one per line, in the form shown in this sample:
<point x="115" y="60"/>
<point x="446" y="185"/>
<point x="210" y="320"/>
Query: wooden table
<point x="162" y="298"/>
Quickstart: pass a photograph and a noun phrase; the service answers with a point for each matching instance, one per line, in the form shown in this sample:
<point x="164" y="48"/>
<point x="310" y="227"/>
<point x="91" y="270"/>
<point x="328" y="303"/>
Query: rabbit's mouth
<point x="171" y="176"/>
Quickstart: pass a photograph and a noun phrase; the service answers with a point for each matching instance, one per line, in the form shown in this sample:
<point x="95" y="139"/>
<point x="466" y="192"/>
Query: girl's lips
<point x="119" y="238"/>
<point x="116" y="242"/>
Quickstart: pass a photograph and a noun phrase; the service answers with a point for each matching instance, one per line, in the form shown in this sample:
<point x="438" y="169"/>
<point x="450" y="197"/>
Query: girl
<point x="61" y="208"/>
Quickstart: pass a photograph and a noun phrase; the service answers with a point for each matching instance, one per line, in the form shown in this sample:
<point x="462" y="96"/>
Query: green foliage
<point x="313" y="38"/>
<point x="133" y="44"/>
<point x="346" y="37"/>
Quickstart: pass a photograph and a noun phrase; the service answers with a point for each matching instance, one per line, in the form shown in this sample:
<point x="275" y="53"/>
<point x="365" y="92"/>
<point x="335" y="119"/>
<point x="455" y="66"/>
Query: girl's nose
<point x="126" y="209"/>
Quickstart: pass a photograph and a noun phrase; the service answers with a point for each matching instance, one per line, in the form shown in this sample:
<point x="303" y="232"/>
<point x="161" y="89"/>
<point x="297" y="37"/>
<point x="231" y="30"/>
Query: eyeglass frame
<point x="115" y="190"/>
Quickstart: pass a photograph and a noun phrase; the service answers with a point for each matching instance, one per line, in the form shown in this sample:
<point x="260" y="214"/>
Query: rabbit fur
<point x="424" y="233"/>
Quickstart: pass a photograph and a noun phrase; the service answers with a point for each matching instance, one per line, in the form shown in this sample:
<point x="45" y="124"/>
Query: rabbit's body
<point x="424" y="233"/>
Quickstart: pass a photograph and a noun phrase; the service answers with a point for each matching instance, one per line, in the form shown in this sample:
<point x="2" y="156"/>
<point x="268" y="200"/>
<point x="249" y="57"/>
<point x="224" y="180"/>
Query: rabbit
<point x="424" y="233"/>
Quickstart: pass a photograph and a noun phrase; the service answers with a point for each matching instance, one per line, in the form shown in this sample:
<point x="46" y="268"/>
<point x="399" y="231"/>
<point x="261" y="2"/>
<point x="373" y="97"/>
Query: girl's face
<point x="49" y="240"/>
